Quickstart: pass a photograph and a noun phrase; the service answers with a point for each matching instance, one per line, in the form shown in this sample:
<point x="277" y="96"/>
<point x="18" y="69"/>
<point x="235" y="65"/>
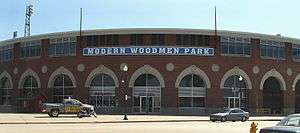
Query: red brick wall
<point x="169" y="93"/>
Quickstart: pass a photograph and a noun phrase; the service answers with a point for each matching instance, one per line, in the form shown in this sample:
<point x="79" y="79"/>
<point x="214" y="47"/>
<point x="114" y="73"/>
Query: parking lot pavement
<point x="142" y="127"/>
<point x="9" y="118"/>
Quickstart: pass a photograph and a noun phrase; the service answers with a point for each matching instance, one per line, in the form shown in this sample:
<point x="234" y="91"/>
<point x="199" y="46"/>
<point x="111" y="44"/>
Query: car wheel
<point x="55" y="113"/>
<point x="223" y="119"/>
<point x="50" y="114"/>
<point x="244" y="119"/>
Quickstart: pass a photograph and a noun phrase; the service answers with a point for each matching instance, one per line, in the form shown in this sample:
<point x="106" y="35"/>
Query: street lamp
<point x="237" y="89"/>
<point x="240" y="78"/>
<point x="125" y="69"/>
<point x="240" y="95"/>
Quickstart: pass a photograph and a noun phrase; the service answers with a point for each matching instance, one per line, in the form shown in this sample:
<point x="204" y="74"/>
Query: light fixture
<point x="240" y="78"/>
<point x="125" y="68"/>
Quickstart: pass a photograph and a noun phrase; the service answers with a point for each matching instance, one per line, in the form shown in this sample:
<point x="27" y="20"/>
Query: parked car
<point x="68" y="106"/>
<point x="289" y="124"/>
<point x="231" y="114"/>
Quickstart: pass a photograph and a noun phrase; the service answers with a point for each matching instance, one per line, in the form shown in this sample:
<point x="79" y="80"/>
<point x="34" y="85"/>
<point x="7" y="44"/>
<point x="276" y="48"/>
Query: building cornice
<point x="152" y="31"/>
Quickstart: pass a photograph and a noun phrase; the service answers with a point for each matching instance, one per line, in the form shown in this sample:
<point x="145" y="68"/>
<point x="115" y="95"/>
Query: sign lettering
<point x="102" y="51"/>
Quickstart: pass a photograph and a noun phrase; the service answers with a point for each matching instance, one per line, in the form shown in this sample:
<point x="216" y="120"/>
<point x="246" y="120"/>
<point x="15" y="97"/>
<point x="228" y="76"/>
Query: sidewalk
<point x="9" y="118"/>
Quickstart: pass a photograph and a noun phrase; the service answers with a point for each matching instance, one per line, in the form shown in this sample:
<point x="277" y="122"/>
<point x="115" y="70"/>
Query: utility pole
<point x="29" y="12"/>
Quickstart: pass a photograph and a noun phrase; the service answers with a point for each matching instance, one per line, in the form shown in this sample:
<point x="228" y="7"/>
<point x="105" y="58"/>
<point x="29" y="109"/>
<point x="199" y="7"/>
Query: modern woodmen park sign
<point x="102" y="51"/>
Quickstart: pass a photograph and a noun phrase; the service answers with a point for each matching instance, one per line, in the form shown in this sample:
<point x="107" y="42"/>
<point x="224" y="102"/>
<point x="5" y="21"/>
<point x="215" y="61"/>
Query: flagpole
<point x="80" y="30"/>
<point x="215" y="20"/>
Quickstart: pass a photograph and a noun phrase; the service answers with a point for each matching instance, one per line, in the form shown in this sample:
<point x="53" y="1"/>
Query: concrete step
<point x="7" y="109"/>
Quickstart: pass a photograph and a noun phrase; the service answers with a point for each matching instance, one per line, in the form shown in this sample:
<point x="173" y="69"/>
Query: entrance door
<point x="233" y="102"/>
<point x="146" y="104"/>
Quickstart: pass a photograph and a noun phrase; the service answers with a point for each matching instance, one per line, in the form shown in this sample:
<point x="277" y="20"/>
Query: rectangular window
<point x="31" y="49"/>
<point x="106" y="101"/>
<point x="199" y="101"/>
<point x="115" y="40"/>
<point x="240" y="49"/>
<point x="205" y="41"/>
<point x="235" y="46"/>
<point x="231" y="49"/>
<point x="102" y="100"/>
<point x="62" y="47"/>
<point x="136" y="39"/>
<point x="108" y="40"/>
<point x="296" y="52"/>
<point x="192" y="101"/>
<point x="247" y="49"/>
<point x="92" y="41"/>
<point x="157" y="40"/>
<point x="225" y="49"/>
<point x="192" y="40"/>
<point x="5" y="96"/>
<point x="6" y="53"/>
<point x="179" y="40"/>
<point x="185" y="101"/>
<point x="136" y="101"/>
<point x="186" y="40"/>
<point x="101" y="41"/>
<point x="272" y="50"/>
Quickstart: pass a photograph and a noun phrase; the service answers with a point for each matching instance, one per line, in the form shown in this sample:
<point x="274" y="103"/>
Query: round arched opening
<point x="235" y="92"/>
<point x="102" y="91"/>
<point x="146" y="94"/>
<point x="297" y="97"/>
<point x="192" y="91"/>
<point x="5" y="91"/>
<point x="62" y="88"/>
<point x="273" y="95"/>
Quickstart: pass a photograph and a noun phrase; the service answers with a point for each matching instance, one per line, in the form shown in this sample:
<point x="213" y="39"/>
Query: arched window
<point x="5" y="91"/>
<point x="146" y="80"/>
<point x="236" y="92"/>
<point x="102" y="91"/>
<point x="235" y="81"/>
<point x="192" y="91"/>
<point x="146" y="94"/>
<point x="62" y="88"/>
<point x="30" y="87"/>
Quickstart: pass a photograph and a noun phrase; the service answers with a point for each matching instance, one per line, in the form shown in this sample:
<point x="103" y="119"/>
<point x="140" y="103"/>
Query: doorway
<point x="233" y="102"/>
<point x="273" y="95"/>
<point x="146" y="104"/>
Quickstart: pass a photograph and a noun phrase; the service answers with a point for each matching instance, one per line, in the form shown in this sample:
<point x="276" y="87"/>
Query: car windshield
<point x="226" y="111"/>
<point x="290" y="121"/>
<point x="77" y="102"/>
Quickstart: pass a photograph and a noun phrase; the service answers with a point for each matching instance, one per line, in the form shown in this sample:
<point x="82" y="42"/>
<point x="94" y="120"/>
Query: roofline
<point x="152" y="31"/>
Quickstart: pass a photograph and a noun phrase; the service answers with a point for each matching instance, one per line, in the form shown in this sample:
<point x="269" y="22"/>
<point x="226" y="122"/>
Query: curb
<point x="99" y="122"/>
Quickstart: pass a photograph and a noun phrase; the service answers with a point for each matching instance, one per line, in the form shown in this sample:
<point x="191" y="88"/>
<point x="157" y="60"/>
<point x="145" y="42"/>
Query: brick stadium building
<point x="170" y="71"/>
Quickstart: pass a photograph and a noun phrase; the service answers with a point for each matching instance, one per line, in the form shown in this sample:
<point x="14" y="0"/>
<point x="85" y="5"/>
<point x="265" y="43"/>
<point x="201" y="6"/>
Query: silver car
<point x="231" y="114"/>
<point x="290" y="124"/>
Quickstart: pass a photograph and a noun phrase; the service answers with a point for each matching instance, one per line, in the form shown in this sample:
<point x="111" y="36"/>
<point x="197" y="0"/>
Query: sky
<point x="258" y="16"/>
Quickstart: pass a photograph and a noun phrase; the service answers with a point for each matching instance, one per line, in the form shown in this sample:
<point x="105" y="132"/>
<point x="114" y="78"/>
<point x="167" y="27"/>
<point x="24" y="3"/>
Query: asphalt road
<point x="147" y="127"/>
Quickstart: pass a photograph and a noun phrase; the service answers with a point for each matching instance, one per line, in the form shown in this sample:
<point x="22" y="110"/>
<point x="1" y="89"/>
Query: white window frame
<point x="235" y="41"/>
<point x="272" y="43"/>
<point x="297" y="47"/>
<point x="60" y="41"/>
<point x="30" y="44"/>
<point x="9" y="48"/>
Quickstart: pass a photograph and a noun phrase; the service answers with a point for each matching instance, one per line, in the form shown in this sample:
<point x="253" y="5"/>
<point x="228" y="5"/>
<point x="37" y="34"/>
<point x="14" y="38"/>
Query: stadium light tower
<point x="29" y="12"/>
